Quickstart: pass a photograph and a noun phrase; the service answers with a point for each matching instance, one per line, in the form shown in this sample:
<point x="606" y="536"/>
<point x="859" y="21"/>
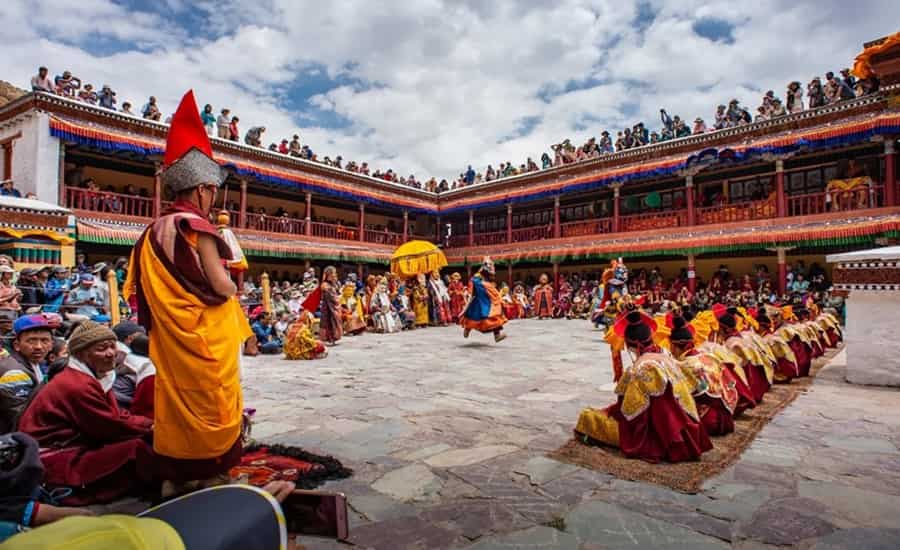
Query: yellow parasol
<point x="417" y="257"/>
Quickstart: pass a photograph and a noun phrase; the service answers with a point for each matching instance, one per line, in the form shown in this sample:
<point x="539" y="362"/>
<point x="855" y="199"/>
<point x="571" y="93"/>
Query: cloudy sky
<point x="429" y="86"/>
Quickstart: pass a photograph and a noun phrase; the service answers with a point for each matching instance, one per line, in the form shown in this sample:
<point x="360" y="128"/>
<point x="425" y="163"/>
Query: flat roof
<point x="884" y="253"/>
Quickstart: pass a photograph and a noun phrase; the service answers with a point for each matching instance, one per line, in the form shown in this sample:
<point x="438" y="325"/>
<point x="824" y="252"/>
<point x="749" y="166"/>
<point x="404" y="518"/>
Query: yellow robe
<point x="196" y="349"/>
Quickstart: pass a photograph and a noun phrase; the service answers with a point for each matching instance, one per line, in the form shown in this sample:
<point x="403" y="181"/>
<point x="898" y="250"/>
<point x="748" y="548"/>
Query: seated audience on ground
<point x="21" y="372"/>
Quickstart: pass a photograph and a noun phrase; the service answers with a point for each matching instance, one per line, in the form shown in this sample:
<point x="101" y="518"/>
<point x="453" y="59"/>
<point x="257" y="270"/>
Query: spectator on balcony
<point x="794" y="97"/>
<point x="107" y="98"/>
<point x="721" y="118"/>
<point x="234" y="133"/>
<point x="699" y="126"/>
<point x="254" y="136"/>
<point x="126" y="108"/>
<point x="41" y="82"/>
<point x="816" y="93"/>
<point x="294" y="147"/>
<point x="88" y="95"/>
<point x="223" y="124"/>
<point x="8" y="190"/>
<point x="151" y="111"/>
<point x="777" y="108"/>
<point x="131" y="190"/>
<point x="66" y="84"/>
<point x="111" y="200"/>
<point x="208" y="119"/>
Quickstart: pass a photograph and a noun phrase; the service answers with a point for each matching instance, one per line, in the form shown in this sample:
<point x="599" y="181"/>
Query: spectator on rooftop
<point x="734" y="113"/>
<point x="66" y="84"/>
<point x="816" y="93"/>
<point x="364" y="168"/>
<point x="654" y="137"/>
<point x="777" y="108"/>
<point x="294" y="147"/>
<point x="87" y="94"/>
<point x="531" y="165"/>
<point x="721" y="117"/>
<point x="8" y="190"/>
<point x="107" y="98"/>
<point x="233" y="132"/>
<point x="254" y="136"/>
<point x="41" y="82"/>
<point x="126" y="108"/>
<point x="832" y="88"/>
<point x="273" y="147"/>
<point x="151" y="111"/>
<point x="283" y="147"/>
<point x="761" y="114"/>
<point x="223" y="123"/>
<point x="337" y="161"/>
<point x="209" y="119"/>
<point x="767" y="101"/>
<point x="794" y="97"/>
<point x="848" y="79"/>
<point x="699" y="126"/>
<point x="470" y="175"/>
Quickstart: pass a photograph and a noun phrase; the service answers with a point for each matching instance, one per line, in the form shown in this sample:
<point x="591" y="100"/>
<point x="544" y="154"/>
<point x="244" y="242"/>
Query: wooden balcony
<point x="535" y="233"/>
<point x="588" y="227"/>
<point x="108" y="202"/>
<point x="870" y="196"/>
<point x="653" y="220"/>
<point x="737" y="212"/>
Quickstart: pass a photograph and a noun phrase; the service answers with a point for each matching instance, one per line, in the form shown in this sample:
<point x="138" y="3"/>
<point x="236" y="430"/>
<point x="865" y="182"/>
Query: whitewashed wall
<point x="35" y="159"/>
<point x="873" y="346"/>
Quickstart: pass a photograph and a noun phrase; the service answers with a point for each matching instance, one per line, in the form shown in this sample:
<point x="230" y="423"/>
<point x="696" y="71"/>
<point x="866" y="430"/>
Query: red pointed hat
<point x="186" y="132"/>
<point x="188" y="162"/>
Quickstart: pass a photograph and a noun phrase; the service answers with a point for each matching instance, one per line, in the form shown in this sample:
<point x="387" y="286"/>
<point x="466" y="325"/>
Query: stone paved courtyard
<point x="447" y="438"/>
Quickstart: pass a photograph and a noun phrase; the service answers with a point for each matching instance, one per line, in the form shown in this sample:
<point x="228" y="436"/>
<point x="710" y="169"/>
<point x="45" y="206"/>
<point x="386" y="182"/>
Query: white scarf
<point x="106" y="383"/>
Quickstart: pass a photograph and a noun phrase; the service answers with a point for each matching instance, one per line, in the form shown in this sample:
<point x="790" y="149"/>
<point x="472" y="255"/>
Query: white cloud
<point x="442" y="84"/>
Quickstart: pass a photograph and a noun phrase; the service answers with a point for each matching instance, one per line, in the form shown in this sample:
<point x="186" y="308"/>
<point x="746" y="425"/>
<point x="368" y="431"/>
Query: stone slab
<point x="413" y="482"/>
<point x="854" y="507"/>
<point x="533" y="538"/>
<point x="540" y="470"/>
<point x="464" y="457"/>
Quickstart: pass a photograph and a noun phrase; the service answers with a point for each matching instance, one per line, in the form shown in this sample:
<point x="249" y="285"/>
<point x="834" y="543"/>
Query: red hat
<point x="188" y="162"/>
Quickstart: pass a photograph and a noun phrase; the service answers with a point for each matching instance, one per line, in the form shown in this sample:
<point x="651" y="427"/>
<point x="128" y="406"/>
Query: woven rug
<point x="688" y="477"/>
<point x="262" y="464"/>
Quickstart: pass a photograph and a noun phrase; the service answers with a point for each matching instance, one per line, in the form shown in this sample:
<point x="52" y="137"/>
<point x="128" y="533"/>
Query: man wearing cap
<point x="32" y="290"/>
<point x="20" y="373"/>
<point x="86" y="441"/>
<point x="85" y="300"/>
<point x="56" y="290"/>
<point x="186" y="301"/>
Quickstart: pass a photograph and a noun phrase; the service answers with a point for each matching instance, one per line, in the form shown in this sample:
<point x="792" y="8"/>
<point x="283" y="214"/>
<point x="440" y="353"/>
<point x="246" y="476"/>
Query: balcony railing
<point x="383" y="237"/>
<point x="108" y="202"/>
<point x="588" y="227"/>
<point x="536" y="233"/>
<point x="484" y="239"/>
<point x="862" y="197"/>
<point x="653" y="220"/>
<point x="275" y="224"/>
<point x="737" y="212"/>
<point x="329" y="231"/>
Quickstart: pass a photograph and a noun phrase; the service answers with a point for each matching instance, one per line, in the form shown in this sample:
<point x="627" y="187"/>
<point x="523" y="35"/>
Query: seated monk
<point x="715" y="389"/>
<point x="786" y="367"/>
<point x="812" y="330"/>
<point x="798" y="339"/>
<point x="655" y="417"/>
<point x="829" y="322"/>
<point x="299" y="342"/>
<point x="86" y="442"/>
<point x="757" y="368"/>
<point x="731" y="362"/>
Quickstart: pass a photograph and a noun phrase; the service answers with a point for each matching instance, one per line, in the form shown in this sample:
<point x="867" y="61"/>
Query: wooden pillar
<point x="509" y="223"/>
<point x="556" y="228"/>
<point x="362" y="222"/>
<point x="242" y="205"/>
<point x="468" y="271"/>
<point x="438" y="234"/>
<point x="692" y="273"/>
<point x="266" y="292"/>
<point x="61" y="192"/>
<point x="157" y="189"/>
<point x="405" y="225"/>
<point x="689" y="199"/>
<point x="113" y="284"/>
<point x="782" y="270"/>
<point x="308" y="225"/>
<point x="509" y="275"/>
<point x="616" y="209"/>
<point x="471" y="240"/>
<point x="359" y="271"/>
<point x="780" y="197"/>
<point x="555" y="278"/>
<point x="890" y="178"/>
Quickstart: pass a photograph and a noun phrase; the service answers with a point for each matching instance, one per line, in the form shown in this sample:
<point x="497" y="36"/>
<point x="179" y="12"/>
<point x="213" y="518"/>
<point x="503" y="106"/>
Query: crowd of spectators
<point x="225" y="125"/>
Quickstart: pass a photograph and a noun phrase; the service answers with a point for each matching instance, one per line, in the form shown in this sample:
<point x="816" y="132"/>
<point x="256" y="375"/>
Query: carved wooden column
<point x="890" y="177"/>
<point x="362" y="222"/>
<point x="242" y="205"/>
<point x="780" y="196"/>
<point x="405" y="225"/>
<point x="508" y="223"/>
<point x="616" y="207"/>
<point x="689" y="200"/>
<point x="307" y="227"/>
<point x="556" y="228"/>
<point x="471" y="240"/>
<point x="157" y="189"/>
<point x="692" y="273"/>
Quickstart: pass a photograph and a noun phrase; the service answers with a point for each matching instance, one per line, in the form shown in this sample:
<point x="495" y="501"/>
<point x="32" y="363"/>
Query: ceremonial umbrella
<point x="417" y="257"/>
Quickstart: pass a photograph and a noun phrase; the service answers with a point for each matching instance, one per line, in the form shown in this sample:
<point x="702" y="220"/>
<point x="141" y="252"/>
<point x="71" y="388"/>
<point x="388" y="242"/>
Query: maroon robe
<point x="86" y="441"/>
<point x="330" y="327"/>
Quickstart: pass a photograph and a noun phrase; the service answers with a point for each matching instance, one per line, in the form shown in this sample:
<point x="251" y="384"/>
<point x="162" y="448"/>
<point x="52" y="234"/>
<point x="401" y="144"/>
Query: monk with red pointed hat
<point x="186" y="301"/>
